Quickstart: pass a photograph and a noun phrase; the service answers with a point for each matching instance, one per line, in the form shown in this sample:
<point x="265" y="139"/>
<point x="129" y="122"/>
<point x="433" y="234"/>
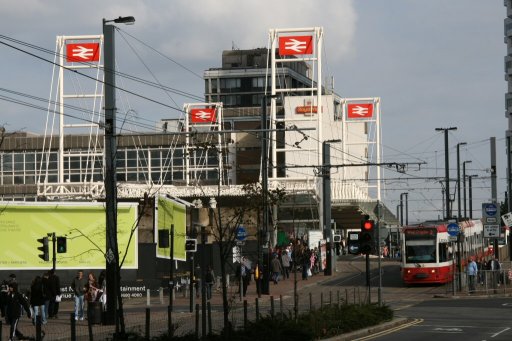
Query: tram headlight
<point x="433" y="271"/>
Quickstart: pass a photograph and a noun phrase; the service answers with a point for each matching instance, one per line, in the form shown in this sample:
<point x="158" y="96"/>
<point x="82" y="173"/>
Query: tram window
<point x="444" y="252"/>
<point x="420" y="251"/>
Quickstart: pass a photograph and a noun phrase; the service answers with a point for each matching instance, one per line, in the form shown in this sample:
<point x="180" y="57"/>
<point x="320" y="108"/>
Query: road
<point x="434" y="312"/>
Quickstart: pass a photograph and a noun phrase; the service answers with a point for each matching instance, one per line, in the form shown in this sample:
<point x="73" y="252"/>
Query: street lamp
<point x="458" y="178"/>
<point x="464" y="187"/>
<point x="470" y="178"/>
<point x="447" y="169"/>
<point x="110" y="150"/>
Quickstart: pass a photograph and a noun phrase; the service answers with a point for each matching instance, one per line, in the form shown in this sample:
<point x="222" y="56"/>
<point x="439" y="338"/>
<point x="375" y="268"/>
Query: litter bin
<point x="94" y="312"/>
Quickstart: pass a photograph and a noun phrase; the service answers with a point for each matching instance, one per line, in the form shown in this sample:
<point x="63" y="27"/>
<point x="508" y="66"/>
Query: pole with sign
<point x="241" y="234"/>
<point x="491" y="219"/>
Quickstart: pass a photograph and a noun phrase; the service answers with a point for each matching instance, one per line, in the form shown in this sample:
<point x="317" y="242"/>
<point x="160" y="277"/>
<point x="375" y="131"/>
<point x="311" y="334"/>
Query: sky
<point x="434" y="64"/>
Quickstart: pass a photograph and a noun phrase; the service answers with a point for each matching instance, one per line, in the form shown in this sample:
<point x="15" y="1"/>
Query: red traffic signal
<point x="368" y="225"/>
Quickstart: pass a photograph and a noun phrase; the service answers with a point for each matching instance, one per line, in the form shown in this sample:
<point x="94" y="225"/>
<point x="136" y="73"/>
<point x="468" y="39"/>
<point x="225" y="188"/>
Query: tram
<point x="429" y="256"/>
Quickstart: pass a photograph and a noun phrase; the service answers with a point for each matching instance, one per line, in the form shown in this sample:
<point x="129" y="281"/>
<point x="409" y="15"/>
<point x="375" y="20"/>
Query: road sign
<point x="241" y="234"/>
<point x="507" y="219"/>
<point x="489" y="209"/>
<point x="491" y="231"/>
<point x="453" y="229"/>
<point x="237" y="257"/>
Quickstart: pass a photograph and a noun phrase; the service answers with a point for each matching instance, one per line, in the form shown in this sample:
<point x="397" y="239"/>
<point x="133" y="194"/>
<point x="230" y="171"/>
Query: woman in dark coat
<point x="37" y="298"/>
<point x="15" y="302"/>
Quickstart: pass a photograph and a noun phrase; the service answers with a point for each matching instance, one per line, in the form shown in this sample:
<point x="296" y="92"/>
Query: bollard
<point x="272" y="306"/>
<point x="321" y="300"/>
<point x="148" y="324"/>
<point x="197" y="322"/>
<point x="209" y="310"/>
<point x="330" y="297"/>
<point x="73" y="326"/>
<point x="338" y="298"/>
<point x="38" y="328"/>
<point x="245" y="314"/>
<point x="281" y="306"/>
<point x="257" y="308"/>
<point x="169" y="321"/>
<point x="310" y="302"/>
<point x="148" y="298"/>
<point x="161" y="295"/>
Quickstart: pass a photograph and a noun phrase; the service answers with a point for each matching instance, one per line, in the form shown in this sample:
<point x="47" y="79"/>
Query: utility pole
<point x="326" y="200"/>
<point x="494" y="191"/>
<point x="447" y="169"/>
<point x="459" y="215"/>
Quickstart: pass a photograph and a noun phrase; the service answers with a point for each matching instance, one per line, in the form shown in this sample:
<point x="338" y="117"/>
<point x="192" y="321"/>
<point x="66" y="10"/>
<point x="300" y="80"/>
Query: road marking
<point x="391" y="330"/>
<point x="498" y="333"/>
<point x="448" y="330"/>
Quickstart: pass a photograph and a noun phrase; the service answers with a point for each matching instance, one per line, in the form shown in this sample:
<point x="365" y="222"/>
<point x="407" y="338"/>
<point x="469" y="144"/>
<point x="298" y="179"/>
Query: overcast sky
<point x="434" y="64"/>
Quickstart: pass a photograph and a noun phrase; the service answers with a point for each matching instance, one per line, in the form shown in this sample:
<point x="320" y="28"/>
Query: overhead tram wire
<point x="97" y="80"/>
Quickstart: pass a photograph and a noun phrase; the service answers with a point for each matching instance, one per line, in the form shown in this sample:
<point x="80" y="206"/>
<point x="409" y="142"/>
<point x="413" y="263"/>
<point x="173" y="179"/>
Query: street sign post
<point x="453" y="231"/>
<point x="241" y="233"/>
<point x="491" y="219"/>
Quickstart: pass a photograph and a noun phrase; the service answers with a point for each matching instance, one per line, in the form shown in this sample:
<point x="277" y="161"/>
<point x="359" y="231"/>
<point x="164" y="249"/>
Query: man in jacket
<point x="79" y="288"/>
<point x="472" y="273"/>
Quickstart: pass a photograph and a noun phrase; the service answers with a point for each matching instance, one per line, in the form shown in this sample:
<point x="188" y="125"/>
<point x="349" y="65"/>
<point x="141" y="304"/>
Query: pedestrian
<point x="472" y="271"/>
<point x="37" y="299"/>
<point x="4" y="293"/>
<point x="55" y="298"/>
<point x="79" y="288"/>
<point x="493" y="265"/>
<point x="285" y="261"/>
<point x="275" y="265"/>
<point x="47" y="293"/>
<point x="209" y="279"/>
<point x="15" y="302"/>
<point x="481" y="267"/>
<point x="102" y="285"/>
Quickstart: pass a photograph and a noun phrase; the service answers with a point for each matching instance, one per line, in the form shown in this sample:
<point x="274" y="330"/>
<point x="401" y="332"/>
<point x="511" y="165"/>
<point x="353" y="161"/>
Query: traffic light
<point x="45" y="255"/>
<point x="191" y="245"/>
<point x="366" y="239"/>
<point x="61" y="245"/>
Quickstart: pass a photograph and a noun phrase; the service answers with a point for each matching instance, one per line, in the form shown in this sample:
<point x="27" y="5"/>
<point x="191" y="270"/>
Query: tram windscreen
<point x="420" y="246"/>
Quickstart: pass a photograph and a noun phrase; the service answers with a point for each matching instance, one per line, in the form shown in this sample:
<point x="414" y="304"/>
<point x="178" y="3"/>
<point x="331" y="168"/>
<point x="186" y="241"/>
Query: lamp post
<point x="447" y="169"/>
<point x="470" y="178"/>
<point x="110" y="150"/>
<point x="458" y="179"/>
<point x="464" y="183"/>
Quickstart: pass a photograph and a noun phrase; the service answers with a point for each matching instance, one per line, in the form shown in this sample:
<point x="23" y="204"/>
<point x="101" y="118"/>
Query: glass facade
<point x="137" y="165"/>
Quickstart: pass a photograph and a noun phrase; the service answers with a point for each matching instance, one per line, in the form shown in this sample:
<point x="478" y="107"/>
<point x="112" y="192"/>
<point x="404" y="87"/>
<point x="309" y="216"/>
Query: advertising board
<point x="168" y="212"/>
<point x="83" y="225"/>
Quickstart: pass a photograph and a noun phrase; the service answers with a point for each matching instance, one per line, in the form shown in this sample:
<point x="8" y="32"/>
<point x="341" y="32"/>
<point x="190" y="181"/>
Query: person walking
<point x="37" y="299"/>
<point x="472" y="271"/>
<point x="47" y="294"/>
<point x="79" y="288"/>
<point x="209" y="280"/>
<point x="275" y="265"/>
<point x="15" y="302"/>
<point x="494" y="266"/>
<point x="55" y="293"/>
<point x="285" y="261"/>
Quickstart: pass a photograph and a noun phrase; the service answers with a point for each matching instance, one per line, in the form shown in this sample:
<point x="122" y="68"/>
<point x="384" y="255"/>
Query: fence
<point x="154" y="321"/>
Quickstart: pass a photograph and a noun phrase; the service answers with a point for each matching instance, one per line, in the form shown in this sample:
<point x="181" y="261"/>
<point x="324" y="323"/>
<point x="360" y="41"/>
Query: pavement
<point x="136" y="310"/>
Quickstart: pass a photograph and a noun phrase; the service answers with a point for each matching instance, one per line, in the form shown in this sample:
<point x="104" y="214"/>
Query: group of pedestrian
<point x="88" y="290"/>
<point x="476" y="271"/>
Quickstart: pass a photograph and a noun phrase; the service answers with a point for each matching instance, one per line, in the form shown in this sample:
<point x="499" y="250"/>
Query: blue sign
<point x="453" y="229"/>
<point x="490" y="209"/>
<point x="241" y="234"/>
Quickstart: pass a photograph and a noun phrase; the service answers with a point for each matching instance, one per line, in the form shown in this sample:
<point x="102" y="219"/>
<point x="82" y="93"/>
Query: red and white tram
<point x="428" y="255"/>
